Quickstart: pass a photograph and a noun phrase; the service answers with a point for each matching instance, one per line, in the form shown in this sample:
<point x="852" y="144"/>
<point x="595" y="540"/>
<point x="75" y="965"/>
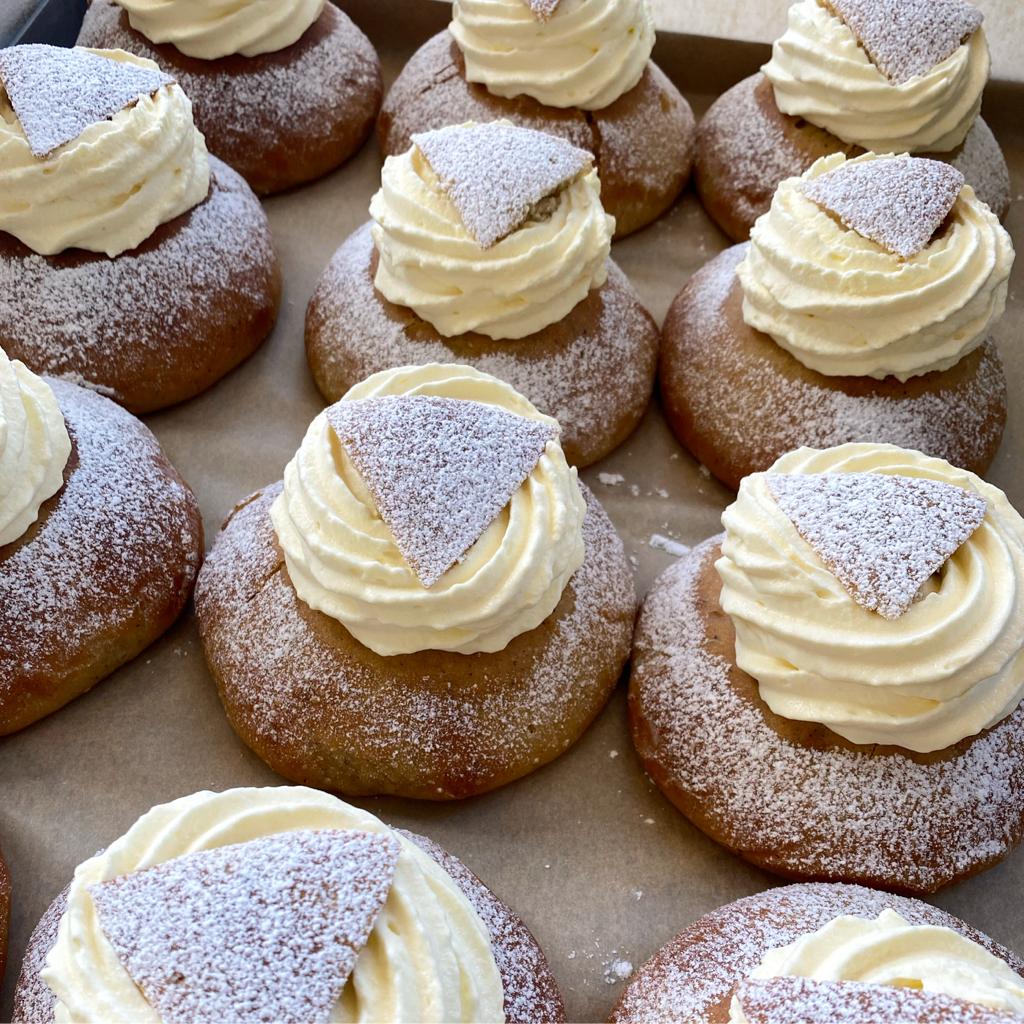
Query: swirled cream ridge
<point x="586" y="55"/>
<point x="428" y="958"/>
<point x="820" y="72"/>
<point x="34" y="447"/>
<point x="533" y="277"/>
<point x="890" y="951"/>
<point x="842" y="304"/>
<point x="109" y="189"/>
<point x="949" y="667"/>
<point x="343" y="561"/>
<point x="209" y="29"/>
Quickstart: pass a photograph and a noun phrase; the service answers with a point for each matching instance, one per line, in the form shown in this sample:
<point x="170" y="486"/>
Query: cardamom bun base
<point x="593" y="370"/>
<point x="738" y="400"/>
<point x="323" y="710"/>
<point x="643" y="143"/>
<point x="531" y="992"/>
<point x="157" y="324"/>
<point x="692" y="978"/>
<point x="105" y="569"/>
<point x="746" y="146"/>
<point x="794" y="798"/>
<point x="280" y="119"/>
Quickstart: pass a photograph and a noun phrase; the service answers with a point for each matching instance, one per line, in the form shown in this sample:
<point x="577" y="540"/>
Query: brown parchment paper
<point x="601" y="867"/>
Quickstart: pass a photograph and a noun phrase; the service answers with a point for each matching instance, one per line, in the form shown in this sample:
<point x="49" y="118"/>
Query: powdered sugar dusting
<point x="898" y="203"/>
<point x="784" y="1000"/>
<point x="439" y="469"/>
<point x="267" y="930"/>
<point x="57" y="92"/>
<point x="531" y="993"/>
<point x="881" y="536"/>
<point x="542" y="9"/>
<point x="905" y="38"/>
<point x="495" y="174"/>
<point x="691" y="978"/>
<point x="882" y="817"/>
<point x="123" y="516"/>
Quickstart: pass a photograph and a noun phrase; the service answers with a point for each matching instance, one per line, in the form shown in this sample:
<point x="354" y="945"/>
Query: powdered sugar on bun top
<point x="951" y="666"/>
<point x="109" y="187"/>
<point x="820" y="71"/>
<point x="344" y="560"/>
<point x="573" y="53"/>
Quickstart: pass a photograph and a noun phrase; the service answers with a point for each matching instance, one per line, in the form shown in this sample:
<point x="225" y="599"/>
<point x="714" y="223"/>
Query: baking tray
<point x="598" y="863"/>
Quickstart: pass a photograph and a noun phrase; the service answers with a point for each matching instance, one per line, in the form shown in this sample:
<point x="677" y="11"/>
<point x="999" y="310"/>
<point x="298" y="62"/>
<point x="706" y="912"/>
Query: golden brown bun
<point x="159" y="323"/>
<point x="105" y="569"/>
<point x="5" y="914"/>
<point x="323" y="710"/>
<point x="738" y="401"/>
<point x="746" y="146"/>
<point x="691" y="979"/>
<point x="531" y="992"/>
<point x="643" y="143"/>
<point x="793" y="797"/>
<point x="593" y="371"/>
<point x="280" y="119"/>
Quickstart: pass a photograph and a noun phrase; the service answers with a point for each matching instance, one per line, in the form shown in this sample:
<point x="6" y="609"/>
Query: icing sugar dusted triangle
<point x="57" y="92"/>
<point x="439" y="469"/>
<point x="898" y="203"/>
<point x="881" y="536"/>
<point x="785" y="1000"/>
<point x="267" y="930"/>
<point x="495" y="174"/>
<point x="542" y="9"/>
<point x="904" y="38"/>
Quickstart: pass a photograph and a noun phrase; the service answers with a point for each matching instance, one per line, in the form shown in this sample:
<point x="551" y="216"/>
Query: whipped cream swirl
<point x="533" y="277"/>
<point x="209" y="29"/>
<point x="949" y="667"/>
<point x="586" y="55"/>
<point x="109" y="189"/>
<point x="842" y="304"/>
<point x="891" y="951"/>
<point x="343" y="561"/>
<point x="34" y="447"/>
<point x="820" y="72"/>
<point x="428" y="958"/>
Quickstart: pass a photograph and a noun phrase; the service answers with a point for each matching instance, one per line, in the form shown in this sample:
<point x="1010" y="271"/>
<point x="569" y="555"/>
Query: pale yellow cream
<point x="343" y="560"/>
<point x="819" y="72"/>
<point x="109" y="189"/>
<point x="528" y="280"/>
<point x="844" y="305"/>
<point x="586" y="55"/>
<point x="949" y="667"/>
<point x="890" y="951"/>
<point x="429" y="956"/>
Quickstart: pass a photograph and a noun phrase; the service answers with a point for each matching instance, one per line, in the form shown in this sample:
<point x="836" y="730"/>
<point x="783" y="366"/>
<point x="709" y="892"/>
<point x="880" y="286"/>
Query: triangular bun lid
<point x="788" y="999"/>
<point x="904" y="38"/>
<point x="440" y="470"/>
<point x="57" y="92"/>
<point x="267" y="930"/>
<point x="881" y="536"/>
<point x="898" y="202"/>
<point x="495" y="174"/>
<point x="542" y="9"/>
